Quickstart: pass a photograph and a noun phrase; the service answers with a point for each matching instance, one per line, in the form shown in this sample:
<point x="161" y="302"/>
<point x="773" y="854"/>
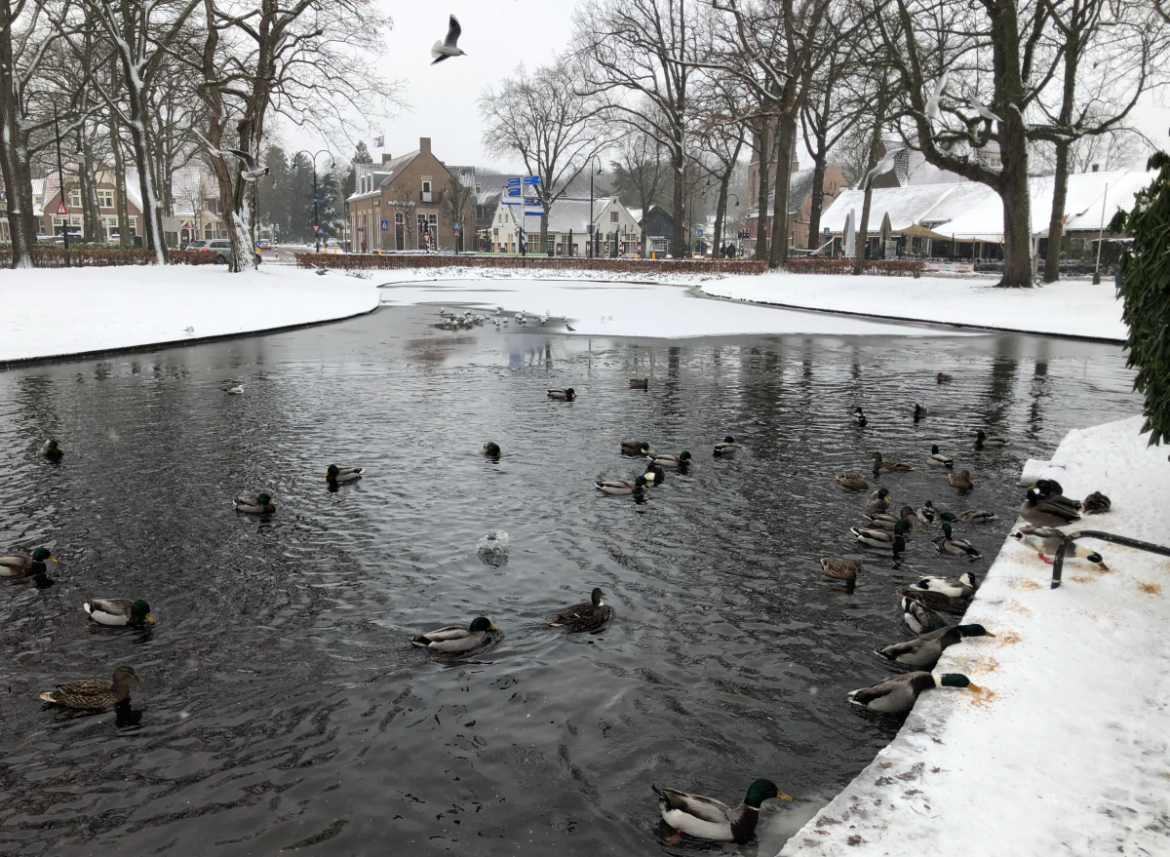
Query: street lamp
<point x="60" y="175"/>
<point x="723" y="232"/>
<point x="592" y="230"/>
<point x="316" y="200"/>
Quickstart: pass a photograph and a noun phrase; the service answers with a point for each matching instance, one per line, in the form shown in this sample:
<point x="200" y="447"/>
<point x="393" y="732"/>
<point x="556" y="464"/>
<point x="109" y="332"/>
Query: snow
<point x="1064" y="750"/>
<point x="57" y="312"/>
<point x="1066" y="308"/>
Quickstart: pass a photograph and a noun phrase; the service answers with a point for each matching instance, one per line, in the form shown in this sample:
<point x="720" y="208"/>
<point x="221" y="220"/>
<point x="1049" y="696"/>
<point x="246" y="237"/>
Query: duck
<point x="1041" y="509"/>
<point x="491" y="449"/>
<point x="455" y="638"/>
<point x="727" y="447"/>
<point x="707" y="818"/>
<point x="94" y="692"/>
<point x="1046" y="541"/>
<point x="940" y="460"/>
<point x="971" y="516"/>
<point x="943" y="377"/>
<point x="671" y="461"/>
<point x="619" y="487"/>
<point x="926" y="512"/>
<point x="852" y="480"/>
<point x="898" y="694"/>
<point x="919" y="412"/>
<point x="934" y="600"/>
<point x="52" y="450"/>
<point x="587" y="616"/>
<point x="895" y="540"/>
<point x="892" y="466"/>
<point x="639" y="383"/>
<point x="924" y="651"/>
<point x="961" y="480"/>
<point x="859" y="417"/>
<point x="946" y="543"/>
<point x="341" y="475"/>
<point x="24" y="565"/>
<point x="564" y="394"/>
<point x="635" y="447"/>
<point x="985" y="440"/>
<point x="259" y="504"/>
<point x="654" y="475"/>
<point x="1096" y="503"/>
<point x="886" y="521"/>
<point x="118" y="612"/>
<point x="840" y="569"/>
<point x="919" y="618"/>
<point x="880" y="499"/>
<point x="962" y="588"/>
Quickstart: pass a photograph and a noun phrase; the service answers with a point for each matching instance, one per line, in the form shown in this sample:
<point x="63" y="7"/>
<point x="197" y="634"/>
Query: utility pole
<point x="60" y="177"/>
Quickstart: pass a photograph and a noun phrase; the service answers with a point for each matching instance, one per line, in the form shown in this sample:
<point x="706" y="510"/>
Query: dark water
<point x="283" y="706"/>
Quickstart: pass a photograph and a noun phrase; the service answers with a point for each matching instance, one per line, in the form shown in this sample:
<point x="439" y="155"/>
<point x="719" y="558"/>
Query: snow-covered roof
<point x="382" y="174"/>
<point x="567" y="215"/>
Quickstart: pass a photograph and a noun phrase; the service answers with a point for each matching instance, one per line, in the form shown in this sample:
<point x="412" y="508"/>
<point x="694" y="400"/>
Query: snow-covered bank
<point x="1064" y="751"/>
<point x="1067" y="308"/>
<point x="58" y="312"/>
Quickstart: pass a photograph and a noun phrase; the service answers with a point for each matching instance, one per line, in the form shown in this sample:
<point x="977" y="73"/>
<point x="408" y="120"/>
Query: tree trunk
<point x="678" y="244"/>
<point x="818" y="201"/>
<point x="875" y="145"/>
<point x="14" y="164"/>
<point x="786" y="138"/>
<point x="1017" y="207"/>
<point x="1056" y="220"/>
<point x="124" y="239"/>
<point x="763" y="147"/>
<point x="720" y="215"/>
<point x="91" y="220"/>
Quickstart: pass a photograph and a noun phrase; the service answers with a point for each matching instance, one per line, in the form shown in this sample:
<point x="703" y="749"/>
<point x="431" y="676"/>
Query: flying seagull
<point x="445" y="49"/>
<point x="932" y="103"/>
<point x="251" y="172"/>
<point x="982" y="110"/>
<point x="884" y="166"/>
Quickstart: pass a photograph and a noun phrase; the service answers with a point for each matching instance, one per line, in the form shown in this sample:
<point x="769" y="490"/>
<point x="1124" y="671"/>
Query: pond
<point x="283" y="706"/>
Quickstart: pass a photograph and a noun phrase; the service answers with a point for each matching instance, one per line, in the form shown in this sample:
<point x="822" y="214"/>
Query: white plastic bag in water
<point x="496" y="543"/>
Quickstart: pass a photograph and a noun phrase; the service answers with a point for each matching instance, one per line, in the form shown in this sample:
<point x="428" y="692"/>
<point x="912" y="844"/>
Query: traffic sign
<point x="505" y="202"/>
<point x="385" y="225"/>
<point x="457" y="225"/>
<point x="699" y="232"/>
<point x="535" y="212"/>
<point x="513" y="191"/>
<point x="532" y="200"/>
<point x="827" y="233"/>
<point x="531" y="180"/>
<point x="61" y="209"/>
<point x="513" y="182"/>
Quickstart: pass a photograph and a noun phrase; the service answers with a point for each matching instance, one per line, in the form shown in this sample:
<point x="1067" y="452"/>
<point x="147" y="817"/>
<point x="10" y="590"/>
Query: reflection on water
<point x="284" y="707"/>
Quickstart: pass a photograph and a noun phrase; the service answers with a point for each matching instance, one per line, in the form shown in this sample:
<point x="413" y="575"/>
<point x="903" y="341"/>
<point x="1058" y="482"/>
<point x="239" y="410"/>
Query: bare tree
<point x="719" y="139"/>
<point x="643" y="174"/>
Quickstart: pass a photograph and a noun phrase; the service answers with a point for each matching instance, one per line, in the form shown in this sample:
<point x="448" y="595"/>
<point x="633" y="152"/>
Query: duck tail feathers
<point x="88" y="607"/>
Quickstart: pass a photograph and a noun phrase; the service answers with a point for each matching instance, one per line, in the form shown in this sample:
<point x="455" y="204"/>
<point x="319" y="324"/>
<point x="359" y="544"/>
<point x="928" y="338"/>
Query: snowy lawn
<point x="1068" y="308"/>
<point x="1065" y="749"/>
<point x="628" y="309"/>
<point x="55" y="312"/>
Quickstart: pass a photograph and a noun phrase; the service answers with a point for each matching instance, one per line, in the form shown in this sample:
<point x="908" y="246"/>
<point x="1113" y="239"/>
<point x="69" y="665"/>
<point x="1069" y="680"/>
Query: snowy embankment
<point x="64" y="311"/>
<point x="1066" y="308"/>
<point x="1065" y="748"/>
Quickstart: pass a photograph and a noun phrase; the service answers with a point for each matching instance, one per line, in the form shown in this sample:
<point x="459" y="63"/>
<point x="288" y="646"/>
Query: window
<point x="75" y="220"/>
<point x="426" y="191"/>
<point x="105" y="198"/>
<point x="613" y="217"/>
<point x="434" y="220"/>
<point x="75" y="198"/>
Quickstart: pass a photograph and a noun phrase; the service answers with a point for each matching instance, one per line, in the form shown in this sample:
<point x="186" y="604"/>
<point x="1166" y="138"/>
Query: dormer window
<point x="426" y="190"/>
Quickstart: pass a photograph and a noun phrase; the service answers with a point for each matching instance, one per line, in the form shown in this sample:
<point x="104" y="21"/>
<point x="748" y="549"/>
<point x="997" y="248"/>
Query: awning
<point x="916" y="230"/>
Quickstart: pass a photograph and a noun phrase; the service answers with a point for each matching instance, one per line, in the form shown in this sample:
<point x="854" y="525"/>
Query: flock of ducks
<point x="470" y="318"/>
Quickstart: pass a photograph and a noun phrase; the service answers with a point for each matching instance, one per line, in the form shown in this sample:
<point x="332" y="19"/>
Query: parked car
<point x="222" y="247"/>
<point x="196" y="245"/>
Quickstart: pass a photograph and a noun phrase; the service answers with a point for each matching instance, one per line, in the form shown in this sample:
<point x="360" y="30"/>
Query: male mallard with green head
<point x="259" y="504"/>
<point x="727" y="447"/>
<point x="454" y="638"/>
<point x="707" y="818"/>
<point x="1046" y="541"/>
<point x="52" y="450"/>
<point x="94" y="692"/>
<point x="587" y="616"/>
<point x="671" y="461"/>
<point x="898" y="694"/>
<point x="923" y="652"/>
<point x="895" y="540"/>
<point x="919" y="618"/>
<point x="118" y="612"/>
<point x="654" y="475"/>
<point x="491" y="449"/>
<point x="919" y="412"/>
<point x="859" y="417"/>
<point x="341" y="475"/>
<point x="1045" y="506"/>
<point x="24" y="565"/>
<point x="618" y="487"/>
<point x="880" y="499"/>
<point x="852" y="480"/>
<point x="635" y="447"/>
<point x="940" y="460"/>
<point x="886" y="521"/>
<point x="938" y="595"/>
<point x="564" y="394"/>
<point x="985" y="441"/>
<point x="947" y="543"/>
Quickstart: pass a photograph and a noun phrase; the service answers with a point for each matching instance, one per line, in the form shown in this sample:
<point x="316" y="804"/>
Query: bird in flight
<point x="883" y="166"/>
<point x="251" y="171"/>
<point x="933" y="101"/>
<point x="982" y="110"/>
<point x="447" y="48"/>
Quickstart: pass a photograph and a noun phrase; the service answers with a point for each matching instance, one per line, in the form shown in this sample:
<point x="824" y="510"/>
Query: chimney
<point x="424" y="145"/>
<point x="387" y="157"/>
<point x="1095" y="167"/>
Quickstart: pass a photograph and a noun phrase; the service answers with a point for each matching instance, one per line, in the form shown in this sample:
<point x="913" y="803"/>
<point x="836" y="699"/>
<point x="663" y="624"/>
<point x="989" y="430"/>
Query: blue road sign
<point x="699" y="232"/>
<point x="827" y="233"/>
<point x="532" y="200"/>
<point x="532" y="180"/>
<point x="513" y="191"/>
<point x="536" y="212"/>
<point x="457" y="225"/>
<point x="385" y="225"/>
<point x="513" y="182"/>
<point x="511" y="203"/>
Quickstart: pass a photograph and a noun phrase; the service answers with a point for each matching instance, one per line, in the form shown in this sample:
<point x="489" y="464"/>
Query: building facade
<point x="568" y="228"/>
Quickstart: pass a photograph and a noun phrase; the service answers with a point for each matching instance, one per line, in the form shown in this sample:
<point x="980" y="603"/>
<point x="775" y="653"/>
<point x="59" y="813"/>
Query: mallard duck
<point x="938" y="459"/>
<point x="341" y="475"/>
<point x="883" y="538"/>
<point x="491" y="449"/>
<point x="1041" y="509"/>
<point x="588" y="616"/>
<point x="707" y="818"/>
<point x="52" y="450"/>
<point x="975" y="516"/>
<point x="946" y="543"/>
<point x="671" y="461"/>
<point x="961" y="480"/>
<point x="943" y="377"/>
<point x="859" y="417"/>
<point x="23" y="565"/>
<point x="886" y="521"/>
<point x="620" y="487"/>
<point x="840" y="569"/>
<point x="455" y="638"/>
<point x="919" y="412"/>
<point x="852" y="480"/>
<point x="119" y="612"/>
<point x="933" y="600"/>
<point x="564" y="394"/>
<point x="961" y="588"/>
<point x="654" y="475"/>
<point x="880" y="499"/>
<point x="919" y="618"/>
<point x="1096" y="503"/>
<point x="1046" y="541"/>
<point x="635" y="447"/>
<point x="260" y="504"/>
<point x="892" y="466"/>
<point x="898" y="694"/>
<point x="639" y="383"/>
<point x="923" y="652"/>
<point x="926" y="512"/>
<point x="727" y="447"/>
<point x="985" y="440"/>
<point x="94" y="692"/>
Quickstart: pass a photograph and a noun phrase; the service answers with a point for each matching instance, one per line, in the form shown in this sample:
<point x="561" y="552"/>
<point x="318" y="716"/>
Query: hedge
<point x="575" y="263"/>
<point x="880" y="267"/>
<point x="90" y="257"/>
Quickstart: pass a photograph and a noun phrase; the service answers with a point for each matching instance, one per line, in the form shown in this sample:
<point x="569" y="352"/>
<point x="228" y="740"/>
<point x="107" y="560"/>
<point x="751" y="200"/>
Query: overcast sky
<point x="498" y="35"/>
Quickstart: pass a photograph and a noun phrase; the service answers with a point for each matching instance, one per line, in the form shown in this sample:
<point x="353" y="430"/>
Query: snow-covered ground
<point x="1066" y="308"/>
<point x="1066" y="749"/>
<point x="55" y="312"/>
<point x="631" y="309"/>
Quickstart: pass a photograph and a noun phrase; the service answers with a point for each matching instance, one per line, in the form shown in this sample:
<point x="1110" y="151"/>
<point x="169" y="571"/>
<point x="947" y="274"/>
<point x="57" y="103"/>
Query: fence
<point x="574" y="263"/>
<point x="51" y="257"/>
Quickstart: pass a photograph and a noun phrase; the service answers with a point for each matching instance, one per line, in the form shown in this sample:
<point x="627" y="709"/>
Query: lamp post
<point x="723" y="232"/>
<point x="592" y="229"/>
<point x="60" y="174"/>
<point x="316" y="200"/>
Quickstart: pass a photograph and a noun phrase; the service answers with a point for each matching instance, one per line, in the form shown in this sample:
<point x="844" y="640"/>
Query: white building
<point x="568" y="228"/>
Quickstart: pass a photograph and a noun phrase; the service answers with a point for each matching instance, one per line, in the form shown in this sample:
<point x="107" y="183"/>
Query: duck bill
<point x="149" y="618"/>
<point x="988" y="634"/>
<point x="782" y="796"/>
<point x="493" y="628"/>
<point x="52" y="559"/>
<point x="138" y="678"/>
<point x="975" y="688"/>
